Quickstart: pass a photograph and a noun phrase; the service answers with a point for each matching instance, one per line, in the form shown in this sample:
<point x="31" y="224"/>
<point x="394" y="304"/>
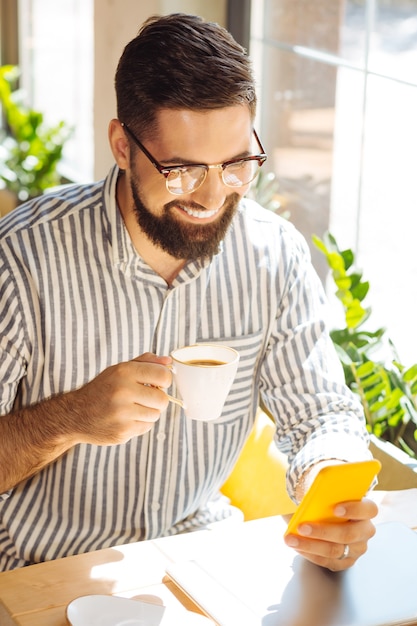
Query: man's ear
<point x="119" y="144"/>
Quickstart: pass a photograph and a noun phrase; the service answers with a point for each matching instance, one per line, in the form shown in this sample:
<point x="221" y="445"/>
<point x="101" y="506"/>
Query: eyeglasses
<point x="188" y="177"/>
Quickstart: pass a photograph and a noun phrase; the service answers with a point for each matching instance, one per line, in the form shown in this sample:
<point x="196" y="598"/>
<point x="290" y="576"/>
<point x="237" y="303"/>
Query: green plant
<point x="265" y="190"/>
<point x="387" y="389"/>
<point x="29" y="149"/>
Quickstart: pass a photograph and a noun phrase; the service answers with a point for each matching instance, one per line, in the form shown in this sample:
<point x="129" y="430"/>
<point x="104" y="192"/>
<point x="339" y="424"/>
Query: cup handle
<point x="171" y="398"/>
<point x="175" y="400"/>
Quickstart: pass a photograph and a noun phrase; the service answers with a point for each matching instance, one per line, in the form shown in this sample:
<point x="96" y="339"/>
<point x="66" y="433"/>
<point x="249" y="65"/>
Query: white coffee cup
<point x="204" y="374"/>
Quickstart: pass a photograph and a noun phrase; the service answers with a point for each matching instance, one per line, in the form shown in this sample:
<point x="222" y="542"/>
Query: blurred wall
<point x="116" y="23"/>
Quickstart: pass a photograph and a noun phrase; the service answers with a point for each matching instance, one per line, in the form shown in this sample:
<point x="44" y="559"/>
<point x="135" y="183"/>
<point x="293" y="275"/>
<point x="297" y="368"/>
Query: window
<point x="338" y="86"/>
<point x="56" y="58"/>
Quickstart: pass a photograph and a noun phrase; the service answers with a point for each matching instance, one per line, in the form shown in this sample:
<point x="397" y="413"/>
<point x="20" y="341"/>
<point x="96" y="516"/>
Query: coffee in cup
<point x="204" y="374"/>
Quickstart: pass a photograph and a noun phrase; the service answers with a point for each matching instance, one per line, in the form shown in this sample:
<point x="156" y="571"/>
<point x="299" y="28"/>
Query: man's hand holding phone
<point x="332" y="525"/>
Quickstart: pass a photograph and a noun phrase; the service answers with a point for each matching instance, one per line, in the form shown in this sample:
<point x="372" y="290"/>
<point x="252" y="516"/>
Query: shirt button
<point x="155" y="506"/>
<point x="161" y="436"/>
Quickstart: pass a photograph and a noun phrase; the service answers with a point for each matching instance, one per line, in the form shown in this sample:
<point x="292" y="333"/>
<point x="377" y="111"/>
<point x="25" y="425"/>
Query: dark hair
<point x="180" y="61"/>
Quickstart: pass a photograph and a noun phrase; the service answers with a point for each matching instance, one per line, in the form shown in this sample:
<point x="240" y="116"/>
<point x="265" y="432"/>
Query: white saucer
<point x="101" y="610"/>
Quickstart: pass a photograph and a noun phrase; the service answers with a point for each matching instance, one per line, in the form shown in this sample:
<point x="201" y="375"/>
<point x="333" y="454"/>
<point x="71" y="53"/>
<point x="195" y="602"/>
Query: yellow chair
<point x="257" y="482"/>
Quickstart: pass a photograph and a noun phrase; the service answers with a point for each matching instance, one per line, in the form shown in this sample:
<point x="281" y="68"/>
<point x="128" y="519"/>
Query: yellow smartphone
<point x="333" y="484"/>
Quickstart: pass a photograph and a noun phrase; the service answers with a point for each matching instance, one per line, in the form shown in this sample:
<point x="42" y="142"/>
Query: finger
<point x="124" y="392"/>
<point x="327" y="549"/>
<point x="335" y="564"/>
<point x="149" y="357"/>
<point x="150" y="397"/>
<point x="138" y="427"/>
<point x="141" y="422"/>
<point x="152" y="373"/>
<point x="363" y="510"/>
<point x="134" y="422"/>
<point x="349" y="532"/>
<point x="327" y="554"/>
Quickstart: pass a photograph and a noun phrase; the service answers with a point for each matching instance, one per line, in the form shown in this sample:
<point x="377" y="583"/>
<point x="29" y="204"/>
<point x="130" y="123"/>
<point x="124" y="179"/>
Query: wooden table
<point x="39" y="594"/>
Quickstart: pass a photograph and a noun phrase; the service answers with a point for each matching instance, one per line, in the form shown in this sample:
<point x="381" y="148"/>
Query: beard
<point x="179" y="239"/>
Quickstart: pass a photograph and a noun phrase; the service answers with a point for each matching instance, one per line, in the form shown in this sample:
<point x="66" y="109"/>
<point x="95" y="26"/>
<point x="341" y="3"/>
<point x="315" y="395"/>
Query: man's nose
<point x="213" y="192"/>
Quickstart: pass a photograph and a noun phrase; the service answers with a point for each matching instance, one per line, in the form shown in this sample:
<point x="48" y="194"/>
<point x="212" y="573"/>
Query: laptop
<point x="257" y="580"/>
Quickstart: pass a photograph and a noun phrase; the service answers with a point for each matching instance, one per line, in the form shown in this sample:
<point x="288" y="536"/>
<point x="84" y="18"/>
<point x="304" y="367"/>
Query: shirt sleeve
<point x="13" y="339"/>
<point x="302" y="382"/>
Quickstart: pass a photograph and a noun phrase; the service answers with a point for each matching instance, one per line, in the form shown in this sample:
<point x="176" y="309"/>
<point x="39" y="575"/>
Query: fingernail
<point x="291" y="541"/>
<point x="340" y="511"/>
<point x="304" y="529"/>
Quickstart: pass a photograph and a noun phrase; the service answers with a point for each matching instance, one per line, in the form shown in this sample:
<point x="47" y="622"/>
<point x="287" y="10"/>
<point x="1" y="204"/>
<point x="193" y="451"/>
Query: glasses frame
<point x="166" y="170"/>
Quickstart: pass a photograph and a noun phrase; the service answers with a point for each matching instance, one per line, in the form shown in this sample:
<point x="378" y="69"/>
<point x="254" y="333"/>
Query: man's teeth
<point x="200" y="214"/>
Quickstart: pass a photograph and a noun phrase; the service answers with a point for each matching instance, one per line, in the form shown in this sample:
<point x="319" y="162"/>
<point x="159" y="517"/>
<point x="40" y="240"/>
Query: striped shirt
<point x="75" y="297"/>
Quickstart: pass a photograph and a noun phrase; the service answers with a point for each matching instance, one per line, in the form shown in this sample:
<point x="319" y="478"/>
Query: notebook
<point x="264" y="583"/>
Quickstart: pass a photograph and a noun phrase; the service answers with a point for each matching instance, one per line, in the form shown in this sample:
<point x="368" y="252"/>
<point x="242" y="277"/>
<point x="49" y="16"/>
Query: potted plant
<point x="373" y="370"/>
<point x="29" y="149"/>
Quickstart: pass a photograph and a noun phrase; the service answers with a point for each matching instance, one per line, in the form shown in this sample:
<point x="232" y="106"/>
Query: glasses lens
<point x="185" y="179"/>
<point x="240" y="173"/>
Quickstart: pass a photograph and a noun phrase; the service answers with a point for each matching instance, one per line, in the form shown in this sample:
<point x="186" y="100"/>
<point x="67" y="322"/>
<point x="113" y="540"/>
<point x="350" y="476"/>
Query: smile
<point x="199" y="214"/>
